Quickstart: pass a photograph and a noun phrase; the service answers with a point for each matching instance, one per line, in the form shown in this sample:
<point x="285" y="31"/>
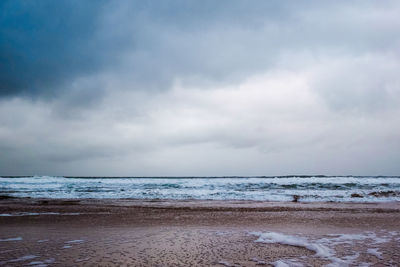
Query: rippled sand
<point x="197" y="233"/>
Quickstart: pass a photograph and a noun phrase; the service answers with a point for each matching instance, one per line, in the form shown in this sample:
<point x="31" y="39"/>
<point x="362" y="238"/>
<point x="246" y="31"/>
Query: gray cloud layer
<point x="199" y="87"/>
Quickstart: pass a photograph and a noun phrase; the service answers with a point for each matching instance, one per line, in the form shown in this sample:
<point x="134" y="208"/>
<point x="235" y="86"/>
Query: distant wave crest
<point x="282" y="188"/>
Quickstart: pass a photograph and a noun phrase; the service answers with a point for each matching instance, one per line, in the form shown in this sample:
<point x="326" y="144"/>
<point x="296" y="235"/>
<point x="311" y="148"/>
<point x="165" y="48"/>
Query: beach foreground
<point x="66" y="232"/>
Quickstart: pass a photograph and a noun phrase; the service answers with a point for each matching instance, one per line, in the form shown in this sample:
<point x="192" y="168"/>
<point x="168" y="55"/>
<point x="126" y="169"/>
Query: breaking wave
<point x="303" y="188"/>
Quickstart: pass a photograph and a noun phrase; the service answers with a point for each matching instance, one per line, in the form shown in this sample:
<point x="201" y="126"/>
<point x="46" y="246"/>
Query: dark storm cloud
<point x="43" y="44"/>
<point x="47" y="45"/>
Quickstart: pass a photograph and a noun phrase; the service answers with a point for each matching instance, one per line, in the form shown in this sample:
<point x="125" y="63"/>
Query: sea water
<point x="307" y="188"/>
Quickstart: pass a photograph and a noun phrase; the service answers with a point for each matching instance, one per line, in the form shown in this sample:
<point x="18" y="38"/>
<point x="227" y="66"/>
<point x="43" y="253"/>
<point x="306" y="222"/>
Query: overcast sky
<point x="175" y="88"/>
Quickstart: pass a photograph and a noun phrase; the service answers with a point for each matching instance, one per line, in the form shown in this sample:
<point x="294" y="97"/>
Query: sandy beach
<point x="199" y="133"/>
<point x="66" y="232"/>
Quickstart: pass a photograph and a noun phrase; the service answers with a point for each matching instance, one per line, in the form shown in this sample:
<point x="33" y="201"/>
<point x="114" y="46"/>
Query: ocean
<point x="284" y="188"/>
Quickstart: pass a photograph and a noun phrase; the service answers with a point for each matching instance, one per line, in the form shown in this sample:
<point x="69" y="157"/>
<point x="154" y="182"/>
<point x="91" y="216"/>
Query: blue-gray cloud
<point x="46" y="45"/>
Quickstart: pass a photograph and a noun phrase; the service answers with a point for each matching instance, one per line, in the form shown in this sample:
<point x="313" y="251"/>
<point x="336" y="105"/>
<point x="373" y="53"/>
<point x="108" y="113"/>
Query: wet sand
<point x="44" y="232"/>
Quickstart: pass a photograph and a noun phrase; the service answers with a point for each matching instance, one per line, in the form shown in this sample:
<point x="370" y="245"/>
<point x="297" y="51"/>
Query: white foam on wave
<point x="242" y="188"/>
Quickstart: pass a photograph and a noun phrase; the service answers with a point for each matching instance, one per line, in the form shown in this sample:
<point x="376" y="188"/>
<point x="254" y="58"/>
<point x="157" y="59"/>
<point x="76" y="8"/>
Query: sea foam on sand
<point x="324" y="248"/>
<point x="271" y="237"/>
<point x="11" y="239"/>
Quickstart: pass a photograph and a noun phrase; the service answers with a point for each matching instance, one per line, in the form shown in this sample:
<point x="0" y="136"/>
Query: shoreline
<point x="195" y="232"/>
<point x="198" y="203"/>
